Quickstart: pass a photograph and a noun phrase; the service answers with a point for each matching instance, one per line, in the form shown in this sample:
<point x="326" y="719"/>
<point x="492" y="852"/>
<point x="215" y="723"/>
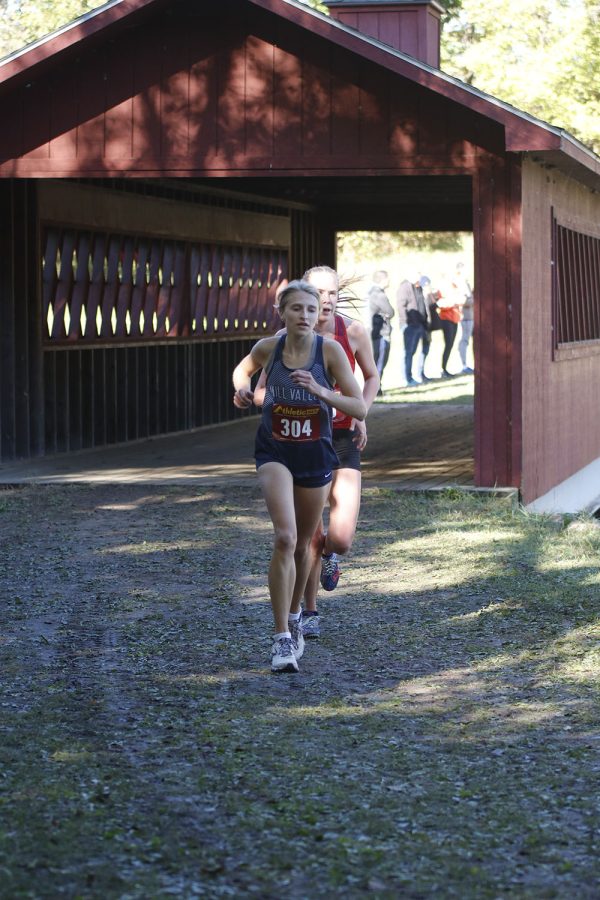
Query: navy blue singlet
<point x="295" y="428"/>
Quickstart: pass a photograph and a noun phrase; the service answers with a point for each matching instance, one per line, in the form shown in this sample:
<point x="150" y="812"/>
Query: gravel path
<point x="441" y="739"/>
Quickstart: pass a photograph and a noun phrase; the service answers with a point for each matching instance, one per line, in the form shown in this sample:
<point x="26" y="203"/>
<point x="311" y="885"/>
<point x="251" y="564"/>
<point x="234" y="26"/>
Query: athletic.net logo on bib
<point x="293" y="423"/>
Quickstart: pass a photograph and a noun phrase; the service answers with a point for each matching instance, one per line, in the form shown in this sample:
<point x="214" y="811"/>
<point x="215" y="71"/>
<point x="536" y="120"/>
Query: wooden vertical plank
<point x="174" y="93"/>
<point x="224" y="290"/>
<point x="234" y="288"/>
<point x="138" y="292"/>
<point x="64" y="113"/>
<point x="259" y="91"/>
<point x="118" y="121"/>
<point x="81" y="282"/>
<point x="64" y="285"/>
<point x="253" y="298"/>
<point x="110" y="384"/>
<point x="152" y="275"/>
<point x="100" y="404"/>
<point x="179" y="311"/>
<point x="146" y="98"/>
<point x="404" y="121"/>
<point x="121" y="366"/>
<point x="368" y="23"/>
<point x="36" y="121"/>
<point x="90" y="126"/>
<point x="165" y="288"/>
<point x="163" y="395"/>
<point x="23" y="295"/>
<point x="50" y="404"/>
<point x="213" y="288"/>
<point x="49" y="273"/>
<point x="345" y="103"/>
<point x="111" y="286"/>
<point x="7" y="331"/>
<point x="374" y="111"/>
<point x="495" y="387"/>
<point x="483" y="331"/>
<point x="33" y="242"/>
<point x="514" y="262"/>
<point x="125" y="287"/>
<point x="131" y="399"/>
<point x="203" y="93"/>
<point x="143" y="393"/>
<point x="287" y="101"/>
<point x="62" y="401"/>
<point x="244" y="294"/>
<point x="11" y="115"/>
<point x="231" y="94"/>
<point x="595" y="283"/>
<point x="263" y="289"/>
<point x="96" y="289"/>
<point x="74" y="387"/>
<point x="87" y="397"/>
<point x="201" y="260"/>
<point x="316" y="103"/>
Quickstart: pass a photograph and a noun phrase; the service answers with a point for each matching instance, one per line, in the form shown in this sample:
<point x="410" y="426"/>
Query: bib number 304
<point x="296" y="425"/>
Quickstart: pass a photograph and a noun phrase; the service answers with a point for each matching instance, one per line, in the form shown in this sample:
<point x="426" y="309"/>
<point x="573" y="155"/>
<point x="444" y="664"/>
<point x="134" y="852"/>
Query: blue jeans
<point x="412" y="335"/>
<point x="466" y="333"/>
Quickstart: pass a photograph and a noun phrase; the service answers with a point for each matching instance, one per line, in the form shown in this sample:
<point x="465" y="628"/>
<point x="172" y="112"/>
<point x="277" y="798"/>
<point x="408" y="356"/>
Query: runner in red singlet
<point x="349" y="439"/>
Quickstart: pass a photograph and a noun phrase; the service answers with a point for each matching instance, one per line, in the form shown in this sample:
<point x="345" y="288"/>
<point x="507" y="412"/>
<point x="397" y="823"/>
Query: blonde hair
<point x="299" y="286"/>
<point x="316" y="269"/>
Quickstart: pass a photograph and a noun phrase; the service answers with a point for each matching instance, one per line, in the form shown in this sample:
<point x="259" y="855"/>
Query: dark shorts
<point x="347" y="451"/>
<point x="310" y="463"/>
<point x="313" y="481"/>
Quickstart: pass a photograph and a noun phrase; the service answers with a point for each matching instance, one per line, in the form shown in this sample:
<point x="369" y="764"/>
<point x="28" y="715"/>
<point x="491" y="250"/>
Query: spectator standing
<point x="449" y="304"/>
<point x="412" y="313"/>
<point x="381" y="312"/>
<point x="467" y="319"/>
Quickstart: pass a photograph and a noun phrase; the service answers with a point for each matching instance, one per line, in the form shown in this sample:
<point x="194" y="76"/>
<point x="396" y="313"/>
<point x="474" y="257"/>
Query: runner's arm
<point x="261" y="385"/>
<point x="243" y="372"/>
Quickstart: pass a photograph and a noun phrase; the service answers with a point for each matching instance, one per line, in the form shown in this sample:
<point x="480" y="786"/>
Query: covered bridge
<point x="164" y="164"/>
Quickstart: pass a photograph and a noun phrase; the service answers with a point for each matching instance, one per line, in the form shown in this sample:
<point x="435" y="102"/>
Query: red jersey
<point x="340" y="419"/>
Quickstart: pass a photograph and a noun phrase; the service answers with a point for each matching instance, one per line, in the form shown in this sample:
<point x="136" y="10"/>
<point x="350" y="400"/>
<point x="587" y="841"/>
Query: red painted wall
<point x="561" y="426"/>
<point x="175" y="98"/>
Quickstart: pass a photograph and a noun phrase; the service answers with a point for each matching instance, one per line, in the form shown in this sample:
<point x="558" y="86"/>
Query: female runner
<point x="349" y="439"/>
<point x="294" y="451"/>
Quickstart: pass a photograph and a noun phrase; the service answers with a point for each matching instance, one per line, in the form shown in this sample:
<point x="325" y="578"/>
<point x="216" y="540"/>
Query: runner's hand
<point x="304" y="379"/>
<point x="243" y="399"/>
<point x="360" y="433"/>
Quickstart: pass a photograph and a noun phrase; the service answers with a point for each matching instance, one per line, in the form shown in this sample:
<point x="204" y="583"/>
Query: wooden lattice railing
<point x="576" y="286"/>
<point x="100" y="287"/>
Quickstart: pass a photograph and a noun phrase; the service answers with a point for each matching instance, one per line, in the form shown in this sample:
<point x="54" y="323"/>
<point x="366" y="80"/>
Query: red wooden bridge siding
<point x="179" y="98"/>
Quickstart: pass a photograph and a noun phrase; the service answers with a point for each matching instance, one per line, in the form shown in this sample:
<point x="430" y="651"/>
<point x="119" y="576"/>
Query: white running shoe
<point x="282" y="656"/>
<point x="297" y="632"/>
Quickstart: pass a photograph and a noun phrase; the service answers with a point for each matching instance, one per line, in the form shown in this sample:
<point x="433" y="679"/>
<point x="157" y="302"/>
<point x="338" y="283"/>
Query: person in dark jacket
<point x="381" y="312"/>
<point x="412" y="312"/>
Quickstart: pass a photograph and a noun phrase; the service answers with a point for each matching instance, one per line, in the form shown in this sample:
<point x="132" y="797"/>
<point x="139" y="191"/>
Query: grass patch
<point x="441" y="738"/>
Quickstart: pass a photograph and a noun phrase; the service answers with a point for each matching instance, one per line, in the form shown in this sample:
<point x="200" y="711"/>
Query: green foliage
<point x="538" y="56"/>
<point x="24" y="21"/>
<point x="316" y="5"/>
<point x="371" y="244"/>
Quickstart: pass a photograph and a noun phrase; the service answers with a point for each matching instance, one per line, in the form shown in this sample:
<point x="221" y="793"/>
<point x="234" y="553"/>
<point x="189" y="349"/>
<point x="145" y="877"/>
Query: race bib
<point x="292" y="423"/>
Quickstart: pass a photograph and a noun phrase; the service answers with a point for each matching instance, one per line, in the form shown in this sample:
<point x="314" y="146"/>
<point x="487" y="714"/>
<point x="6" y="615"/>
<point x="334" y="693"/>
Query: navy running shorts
<point x="347" y="451"/>
<point x="312" y="481"/>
